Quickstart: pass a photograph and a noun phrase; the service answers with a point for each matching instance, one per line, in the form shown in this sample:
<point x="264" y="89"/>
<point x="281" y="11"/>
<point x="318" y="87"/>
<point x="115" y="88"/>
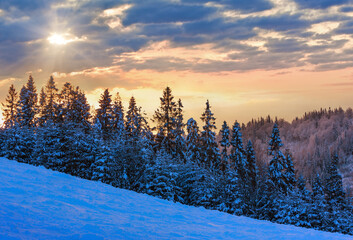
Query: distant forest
<point x="296" y="181"/>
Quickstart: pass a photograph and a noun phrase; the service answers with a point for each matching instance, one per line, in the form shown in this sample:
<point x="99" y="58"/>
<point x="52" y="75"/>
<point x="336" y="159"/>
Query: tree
<point x="334" y="192"/>
<point x="289" y="173"/>
<point x="51" y="104"/>
<point x="27" y="104"/>
<point x="166" y="119"/>
<point x="118" y="123"/>
<point x="193" y="148"/>
<point x="276" y="167"/>
<point x="180" y="143"/>
<point x="237" y="155"/>
<point x="209" y="147"/>
<point x="10" y="107"/>
<point x="104" y="114"/>
<point x="224" y="142"/>
<point x="252" y="175"/>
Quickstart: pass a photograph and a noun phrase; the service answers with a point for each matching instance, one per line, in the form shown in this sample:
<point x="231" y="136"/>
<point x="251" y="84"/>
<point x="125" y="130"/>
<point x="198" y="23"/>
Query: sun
<point x="58" y="39"/>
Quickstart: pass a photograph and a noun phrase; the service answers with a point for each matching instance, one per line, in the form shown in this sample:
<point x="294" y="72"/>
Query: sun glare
<point x="58" y="39"/>
<point x="63" y="39"/>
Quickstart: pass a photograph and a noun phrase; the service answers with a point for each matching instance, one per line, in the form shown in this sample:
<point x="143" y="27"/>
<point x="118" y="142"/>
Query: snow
<point x="36" y="203"/>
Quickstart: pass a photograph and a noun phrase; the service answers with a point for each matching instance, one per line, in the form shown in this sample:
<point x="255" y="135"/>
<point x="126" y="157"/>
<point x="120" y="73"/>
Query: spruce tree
<point x="27" y="104"/>
<point x="209" y="147"/>
<point x="276" y="168"/>
<point x="180" y="143"/>
<point x="225" y="143"/>
<point x="10" y="107"/>
<point x="165" y="118"/>
<point x="118" y="123"/>
<point x="335" y="195"/>
<point x="252" y="176"/>
<point x="289" y="173"/>
<point x="237" y="156"/>
<point x="105" y="115"/>
<point x="193" y="151"/>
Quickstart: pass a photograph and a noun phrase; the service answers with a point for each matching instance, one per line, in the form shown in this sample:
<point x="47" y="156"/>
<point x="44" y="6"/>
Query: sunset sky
<point x="250" y="58"/>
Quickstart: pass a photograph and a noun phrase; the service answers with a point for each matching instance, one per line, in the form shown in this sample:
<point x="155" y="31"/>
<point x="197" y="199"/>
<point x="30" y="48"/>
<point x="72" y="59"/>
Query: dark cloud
<point x="321" y="3"/>
<point x="242" y="5"/>
<point x="165" y="12"/>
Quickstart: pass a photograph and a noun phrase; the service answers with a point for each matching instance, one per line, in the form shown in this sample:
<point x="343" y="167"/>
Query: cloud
<point x="259" y="35"/>
<point x="321" y="3"/>
<point x="165" y="12"/>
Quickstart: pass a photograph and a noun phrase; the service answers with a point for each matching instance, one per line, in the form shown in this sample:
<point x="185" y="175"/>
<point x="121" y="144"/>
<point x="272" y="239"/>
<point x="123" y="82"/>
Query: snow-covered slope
<point x="36" y="203"/>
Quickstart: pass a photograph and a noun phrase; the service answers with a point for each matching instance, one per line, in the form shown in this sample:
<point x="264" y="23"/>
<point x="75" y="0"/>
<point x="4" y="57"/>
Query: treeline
<point x="118" y="147"/>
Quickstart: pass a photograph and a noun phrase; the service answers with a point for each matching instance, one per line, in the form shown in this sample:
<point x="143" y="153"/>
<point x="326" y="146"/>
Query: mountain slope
<point x="36" y="203"/>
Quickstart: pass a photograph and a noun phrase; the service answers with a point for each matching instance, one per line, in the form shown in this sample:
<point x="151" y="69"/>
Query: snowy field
<point x="36" y="203"/>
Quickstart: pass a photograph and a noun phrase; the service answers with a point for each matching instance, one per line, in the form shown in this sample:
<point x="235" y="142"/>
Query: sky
<point x="249" y="58"/>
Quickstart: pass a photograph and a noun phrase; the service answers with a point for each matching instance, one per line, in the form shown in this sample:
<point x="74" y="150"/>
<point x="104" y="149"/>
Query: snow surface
<point x="36" y="203"/>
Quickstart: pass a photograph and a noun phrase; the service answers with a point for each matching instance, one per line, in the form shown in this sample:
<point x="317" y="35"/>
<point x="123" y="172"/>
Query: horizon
<point x="268" y="57"/>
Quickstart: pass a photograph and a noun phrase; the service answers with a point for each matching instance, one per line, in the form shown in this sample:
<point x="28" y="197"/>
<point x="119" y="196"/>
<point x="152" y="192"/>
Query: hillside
<point x="312" y="139"/>
<point x="37" y="203"/>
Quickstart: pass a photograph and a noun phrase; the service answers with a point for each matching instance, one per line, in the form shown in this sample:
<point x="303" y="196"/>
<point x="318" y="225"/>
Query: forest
<point x="243" y="169"/>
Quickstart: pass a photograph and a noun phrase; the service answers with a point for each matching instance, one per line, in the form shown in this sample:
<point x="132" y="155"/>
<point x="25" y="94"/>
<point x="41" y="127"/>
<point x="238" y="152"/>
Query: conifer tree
<point x="118" y="123"/>
<point x="317" y="212"/>
<point x="42" y="103"/>
<point x="225" y="143"/>
<point x="166" y="119"/>
<point x="132" y="120"/>
<point x="180" y="143"/>
<point x="251" y="173"/>
<point x="27" y="104"/>
<point x="237" y="156"/>
<point x="105" y="115"/>
<point x="289" y="173"/>
<point x="193" y="153"/>
<point x="10" y="107"/>
<point x="335" y="195"/>
<point x="51" y="105"/>
<point x="276" y="167"/>
<point x="209" y="151"/>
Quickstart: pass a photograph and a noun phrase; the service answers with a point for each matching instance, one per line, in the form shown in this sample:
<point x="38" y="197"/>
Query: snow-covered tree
<point x="237" y="156"/>
<point x="209" y="147"/>
<point x="180" y="143"/>
<point x="104" y="114"/>
<point x="10" y="107"/>
<point x="225" y="143"/>
<point x="27" y="105"/>
<point x="193" y="153"/>
<point x="165" y="118"/>
<point x="276" y="168"/>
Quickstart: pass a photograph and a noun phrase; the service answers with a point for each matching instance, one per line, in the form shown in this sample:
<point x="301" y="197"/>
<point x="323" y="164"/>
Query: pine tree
<point x="27" y="104"/>
<point x="289" y="173"/>
<point x="118" y="118"/>
<point x="51" y="105"/>
<point x="105" y="115"/>
<point x="317" y="215"/>
<point x="10" y="107"/>
<point x="132" y="124"/>
<point x="237" y="156"/>
<point x="180" y="143"/>
<point x="166" y="119"/>
<point x="209" y="152"/>
<point x="224" y="142"/>
<point x="42" y="103"/>
<point x="276" y="167"/>
<point x="252" y="176"/>
<point x="335" y="195"/>
<point x="193" y="153"/>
